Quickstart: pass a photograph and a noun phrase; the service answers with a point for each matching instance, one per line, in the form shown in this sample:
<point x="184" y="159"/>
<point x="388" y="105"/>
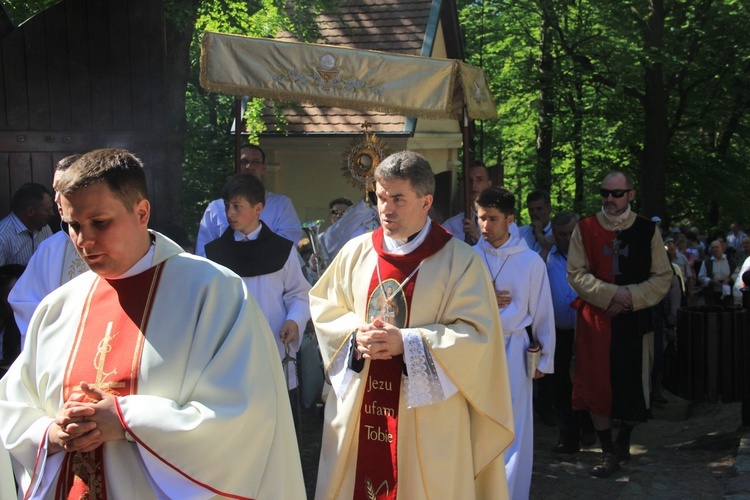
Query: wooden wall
<point x="83" y="75"/>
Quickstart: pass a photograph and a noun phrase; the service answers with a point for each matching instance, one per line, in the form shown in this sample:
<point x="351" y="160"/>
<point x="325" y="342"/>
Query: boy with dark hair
<point x="523" y="297"/>
<point x="268" y="264"/>
<point x="278" y="214"/>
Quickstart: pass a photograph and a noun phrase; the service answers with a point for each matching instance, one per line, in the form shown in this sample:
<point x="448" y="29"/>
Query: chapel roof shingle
<point x="397" y="26"/>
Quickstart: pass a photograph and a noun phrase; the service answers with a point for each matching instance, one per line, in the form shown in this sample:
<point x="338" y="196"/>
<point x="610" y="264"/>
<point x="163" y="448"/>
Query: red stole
<point x="377" y="460"/>
<point x="107" y="355"/>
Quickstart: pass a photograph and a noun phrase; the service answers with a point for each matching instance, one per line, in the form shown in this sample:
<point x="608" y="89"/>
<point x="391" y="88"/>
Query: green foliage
<point x="600" y="58"/>
<point x="209" y="144"/>
<point x="21" y="11"/>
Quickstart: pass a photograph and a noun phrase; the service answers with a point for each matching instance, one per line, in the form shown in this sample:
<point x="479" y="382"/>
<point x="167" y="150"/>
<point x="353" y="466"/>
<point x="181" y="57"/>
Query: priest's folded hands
<point x="85" y="422"/>
<point x="379" y="340"/>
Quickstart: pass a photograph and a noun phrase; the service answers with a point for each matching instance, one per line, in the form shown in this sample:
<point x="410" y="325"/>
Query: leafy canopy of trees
<point x="658" y="88"/>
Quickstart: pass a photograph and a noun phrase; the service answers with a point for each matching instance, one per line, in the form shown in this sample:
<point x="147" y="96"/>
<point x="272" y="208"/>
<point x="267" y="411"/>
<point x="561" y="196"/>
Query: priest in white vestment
<point x="519" y="278"/>
<point x="153" y="376"/>
<point x="411" y="342"/>
<point x="53" y="264"/>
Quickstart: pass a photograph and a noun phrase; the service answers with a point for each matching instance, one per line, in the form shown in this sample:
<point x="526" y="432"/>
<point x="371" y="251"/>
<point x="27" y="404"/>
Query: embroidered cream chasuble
<point x="211" y="414"/>
<point x="449" y="449"/>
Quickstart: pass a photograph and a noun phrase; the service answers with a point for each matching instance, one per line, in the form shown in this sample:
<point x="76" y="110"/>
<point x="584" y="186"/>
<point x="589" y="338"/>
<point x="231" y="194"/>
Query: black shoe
<point x="564" y="448"/>
<point x="607" y="466"/>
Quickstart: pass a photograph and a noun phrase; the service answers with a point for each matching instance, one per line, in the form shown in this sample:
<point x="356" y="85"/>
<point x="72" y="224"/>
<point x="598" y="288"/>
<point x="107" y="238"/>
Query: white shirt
<point x="455" y="226"/>
<point x="521" y="271"/>
<point x="720" y="272"/>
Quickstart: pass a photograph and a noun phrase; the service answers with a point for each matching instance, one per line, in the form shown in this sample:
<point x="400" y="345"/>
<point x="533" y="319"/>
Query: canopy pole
<point x="237" y="133"/>
<point x="468" y="202"/>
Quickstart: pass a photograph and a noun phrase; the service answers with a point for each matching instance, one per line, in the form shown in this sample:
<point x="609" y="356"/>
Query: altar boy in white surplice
<point x="519" y="277"/>
<point x="268" y="264"/>
<point x="154" y="375"/>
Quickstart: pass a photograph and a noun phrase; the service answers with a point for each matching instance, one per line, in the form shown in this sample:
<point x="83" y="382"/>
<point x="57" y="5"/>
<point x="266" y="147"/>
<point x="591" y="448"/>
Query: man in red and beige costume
<point x="619" y="269"/>
<point x="153" y="376"/>
<point x="412" y="344"/>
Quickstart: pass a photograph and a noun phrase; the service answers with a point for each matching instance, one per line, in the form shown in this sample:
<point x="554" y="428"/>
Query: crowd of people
<point x="136" y="369"/>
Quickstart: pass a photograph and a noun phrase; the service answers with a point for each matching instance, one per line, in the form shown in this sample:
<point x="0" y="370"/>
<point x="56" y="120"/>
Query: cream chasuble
<point x="210" y="416"/>
<point x="450" y="448"/>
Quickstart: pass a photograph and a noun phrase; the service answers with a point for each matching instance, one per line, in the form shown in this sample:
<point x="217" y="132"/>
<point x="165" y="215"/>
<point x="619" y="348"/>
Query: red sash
<point x="377" y="459"/>
<point x="107" y="355"/>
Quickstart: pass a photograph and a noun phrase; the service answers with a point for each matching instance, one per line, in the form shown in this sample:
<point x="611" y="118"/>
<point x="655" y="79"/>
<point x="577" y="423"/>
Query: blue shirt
<point x="562" y="293"/>
<point x="17" y="243"/>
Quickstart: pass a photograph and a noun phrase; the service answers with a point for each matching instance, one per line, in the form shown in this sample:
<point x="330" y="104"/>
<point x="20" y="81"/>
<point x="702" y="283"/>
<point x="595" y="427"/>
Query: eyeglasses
<point x="337" y="213"/>
<point x="616" y="193"/>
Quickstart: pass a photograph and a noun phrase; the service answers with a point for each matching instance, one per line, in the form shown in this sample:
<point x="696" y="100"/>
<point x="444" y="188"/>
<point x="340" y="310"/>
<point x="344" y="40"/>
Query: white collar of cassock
<point x="402" y="247"/>
<point x="252" y="235"/>
<point x="514" y="244"/>
<point x="142" y="265"/>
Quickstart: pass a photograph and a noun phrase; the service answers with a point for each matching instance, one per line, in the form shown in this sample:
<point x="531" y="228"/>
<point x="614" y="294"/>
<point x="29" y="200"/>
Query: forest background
<point x="659" y="88"/>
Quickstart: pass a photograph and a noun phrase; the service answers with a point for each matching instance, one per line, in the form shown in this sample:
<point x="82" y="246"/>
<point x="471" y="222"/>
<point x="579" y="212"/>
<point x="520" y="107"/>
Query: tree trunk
<point x="546" y="104"/>
<point x="654" y="155"/>
<point x="498" y="177"/>
<point x="180" y="17"/>
<point x="577" y="140"/>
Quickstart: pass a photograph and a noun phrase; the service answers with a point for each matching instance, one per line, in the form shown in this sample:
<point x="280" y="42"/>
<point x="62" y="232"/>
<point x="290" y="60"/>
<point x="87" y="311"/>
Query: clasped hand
<point x="620" y="303"/>
<point x="86" y="421"/>
<point x="379" y="340"/>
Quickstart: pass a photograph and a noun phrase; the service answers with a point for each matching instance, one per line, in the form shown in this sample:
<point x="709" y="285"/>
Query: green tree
<point x="204" y="119"/>
<point x="657" y="87"/>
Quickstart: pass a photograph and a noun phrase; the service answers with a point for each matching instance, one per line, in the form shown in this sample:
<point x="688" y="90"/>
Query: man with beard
<point x="618" y="267"/>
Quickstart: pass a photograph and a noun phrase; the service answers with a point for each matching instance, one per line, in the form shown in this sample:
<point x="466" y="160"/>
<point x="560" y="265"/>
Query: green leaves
<point x="605" y="58"/>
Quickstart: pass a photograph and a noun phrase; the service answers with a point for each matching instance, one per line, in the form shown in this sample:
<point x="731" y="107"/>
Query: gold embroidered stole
<point x="107" y="355"/>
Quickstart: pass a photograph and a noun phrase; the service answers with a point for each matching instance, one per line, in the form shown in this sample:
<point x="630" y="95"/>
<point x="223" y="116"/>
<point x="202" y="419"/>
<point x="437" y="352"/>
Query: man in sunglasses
<point x="618" y="267"/>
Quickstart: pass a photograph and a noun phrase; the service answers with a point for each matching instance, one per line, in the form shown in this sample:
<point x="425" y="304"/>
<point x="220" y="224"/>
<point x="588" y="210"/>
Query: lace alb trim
<point x="422" y="387"/>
